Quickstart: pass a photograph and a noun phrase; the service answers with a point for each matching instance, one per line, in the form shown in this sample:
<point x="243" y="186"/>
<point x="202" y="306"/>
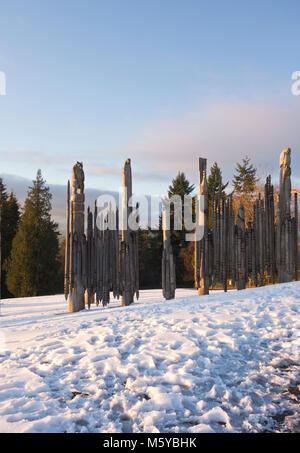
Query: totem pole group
<point x="262" y="250"/>
<point x="104" y="260"/>
<point x="99" y="262"/>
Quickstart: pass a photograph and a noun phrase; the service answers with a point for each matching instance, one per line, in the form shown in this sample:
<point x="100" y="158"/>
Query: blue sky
<point x="162" y="82"/>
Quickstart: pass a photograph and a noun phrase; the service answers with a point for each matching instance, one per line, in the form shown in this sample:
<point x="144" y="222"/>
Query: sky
<point x="161" y="82"/>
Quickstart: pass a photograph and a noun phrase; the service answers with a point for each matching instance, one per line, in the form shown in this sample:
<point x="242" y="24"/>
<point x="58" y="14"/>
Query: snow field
<point x="227" y="362"/>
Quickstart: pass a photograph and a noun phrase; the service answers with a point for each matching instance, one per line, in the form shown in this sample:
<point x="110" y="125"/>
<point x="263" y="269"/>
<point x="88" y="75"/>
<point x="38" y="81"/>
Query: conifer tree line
<point x="32" y="257"/>
<point x="30" y="263"/>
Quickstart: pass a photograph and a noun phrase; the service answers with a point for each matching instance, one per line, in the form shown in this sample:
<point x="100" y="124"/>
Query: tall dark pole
<point x="0" y="251"/>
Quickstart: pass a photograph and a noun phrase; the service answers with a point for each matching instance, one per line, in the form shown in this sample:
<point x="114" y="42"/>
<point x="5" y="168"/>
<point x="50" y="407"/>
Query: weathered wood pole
<point x="115" y="254"/>
<point x="270" y="229"/>
<point x="224" y="243"/>
<point x="261" y="242"/>
<point x="231" y="243"/>
<point x="129" y="252"/>
<point x="285" y="272"/>
<point x="89" y="260"/>
<point x="0" y="252"/>
<point x="296" y="253"/>
<point x="100" y="257"/>
<point x="168" y="267"/>
<point x="241" y="271"/>
<point x="77" y="240"/>
<point x="106" y="285"/>
<point x="202" y="247"/>
<point x="67" y="246"/>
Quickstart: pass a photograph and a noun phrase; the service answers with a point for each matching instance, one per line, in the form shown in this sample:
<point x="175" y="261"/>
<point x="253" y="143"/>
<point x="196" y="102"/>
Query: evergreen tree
<point x="9" y="221"/>
<point x="3" y="193"/>
<point x="245" y="180"/>
<point x="245" y="184"/>
<point x="214" y="183"/>
<point x="3" y="198"/>
<point x="216" y="189"/>
<point x="182" y="187"/>
<point x="33" y="268"/>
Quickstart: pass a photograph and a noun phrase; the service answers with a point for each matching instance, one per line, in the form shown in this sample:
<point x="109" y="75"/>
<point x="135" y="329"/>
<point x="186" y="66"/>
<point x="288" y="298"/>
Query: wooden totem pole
<point x="284" y="224"/>
<point x="75" y="262"/>
<point x="241" y="256"/>
<point x="0" y="252"/>
<point x="202" y="246"/>
<point x="129" y="276"/>
<point x="168" y="266"/>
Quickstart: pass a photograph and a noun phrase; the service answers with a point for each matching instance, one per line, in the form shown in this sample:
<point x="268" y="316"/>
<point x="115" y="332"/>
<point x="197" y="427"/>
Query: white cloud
<point x="224" y="132"/>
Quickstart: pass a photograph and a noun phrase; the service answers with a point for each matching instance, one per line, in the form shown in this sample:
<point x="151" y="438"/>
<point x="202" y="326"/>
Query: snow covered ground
<point x="218" y="363"/>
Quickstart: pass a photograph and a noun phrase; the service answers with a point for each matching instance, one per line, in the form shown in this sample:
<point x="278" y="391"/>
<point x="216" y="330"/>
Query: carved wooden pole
<point x="0" y="251"/>
<point x="218" y="241"/>
<point x="96" y="254"/>
<point x="100" y="257"/>
<point x="202" y="247"/>
<point x="222" y="240"/>
<point x="67" y="246"/>
<point x="241" y="282"/>
<point x="77" y="241"/>
<point x="284" y="266"/>
<point x="231" y="249"/>
<point x="168" y="267"/>
<point x="89" y="260"/>
<point x="224" y="243"/>
<point x="226" y="251"/>
<point x="127" y="298"/>
<point x="261" y="239"/>
<point x="296" y="253"/>
<point x="270" y="229"/>
<point x="136" y="258"/>
<point x="213" y="243"/>
<point x="129" y="246"/>
<point x="106" y="288"/>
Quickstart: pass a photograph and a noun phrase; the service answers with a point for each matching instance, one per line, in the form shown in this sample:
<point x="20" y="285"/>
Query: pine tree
<point x="216" y="189"/>
<point x="3" y="193"/>
<point x="33" y="268"/>
<point x="245" y="180"/>
<point x="9" y="221"/>
<point x="182" y="187"/>
<point x="214" y="183"/>
<point x="3" y="198"/>
<point x="245" y="183"/>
